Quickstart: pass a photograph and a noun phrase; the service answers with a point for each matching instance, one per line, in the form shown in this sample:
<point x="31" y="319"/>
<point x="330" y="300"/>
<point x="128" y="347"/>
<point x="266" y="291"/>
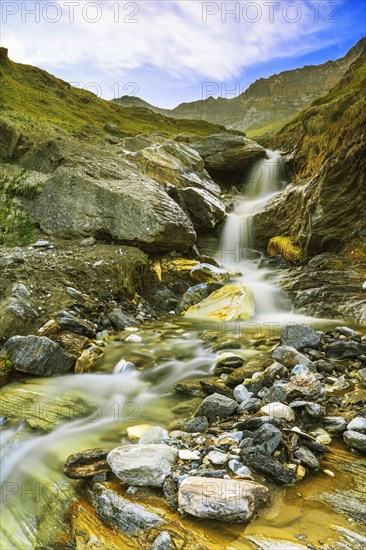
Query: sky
<point x="171" y="51"/>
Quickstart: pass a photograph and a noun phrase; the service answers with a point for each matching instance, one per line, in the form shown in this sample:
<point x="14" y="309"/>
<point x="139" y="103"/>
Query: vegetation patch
<point x="284" y="247"/>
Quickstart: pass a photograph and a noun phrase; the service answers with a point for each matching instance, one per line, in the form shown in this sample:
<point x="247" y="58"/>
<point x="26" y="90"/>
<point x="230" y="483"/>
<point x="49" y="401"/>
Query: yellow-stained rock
<point x="134" y="433"/>
<point x="178" y="265"/>
<point x="233" y="302"/>
<point x="88" y="359"/>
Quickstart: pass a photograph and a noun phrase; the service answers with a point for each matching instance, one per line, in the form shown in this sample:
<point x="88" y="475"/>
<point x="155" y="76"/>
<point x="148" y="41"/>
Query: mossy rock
<point x="6" y="370"/>
<point x="284" y="247"/>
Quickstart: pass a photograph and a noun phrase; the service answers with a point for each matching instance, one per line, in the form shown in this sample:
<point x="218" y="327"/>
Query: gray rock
<point x="207" y="273"/>
<point x="335" y="424"/>
<point x="17" y="315"/>
<point x="290" y="357"/>
<point x="238" y="468"/>
<point x="142" y="465"/>
<point x="253" y="404"/>
<point x="195" y="294"/>
<point x="306" y="457"/>
<point x="198" y="424"/>
<point x="221" y="499"/>
<point x="358" y="424"/>
<point x="153" y="435"/>
<point x="355" y="440"/>
<point x="346" y="349"/>
<point x="346" y="331"/>
<point x="119" y="319"/>
<point x="227" y="152"/>
<point x="163" y="542"/>
<point x="241" y="394"/>
<point x="204" y="209"/>
<point x="362" y="376"/>
<point x="89" y="241"/>
<point x="10" y="259"/>
<point x="126" y="205"/>
<point x="216" y="406"/>
<point x="72" y="323"/>
<point x="38" y="356"/>
<point x="267" y="466"/>
<point x="299" y="336"/>
<point x="267" y="438"/>
<point x="129" y="517"/>
<point x="267" y="378"/>
<point x="112" y="129"/>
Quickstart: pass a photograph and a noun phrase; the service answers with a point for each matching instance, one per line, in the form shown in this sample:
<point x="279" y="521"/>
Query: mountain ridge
<point x="268" y="103"/>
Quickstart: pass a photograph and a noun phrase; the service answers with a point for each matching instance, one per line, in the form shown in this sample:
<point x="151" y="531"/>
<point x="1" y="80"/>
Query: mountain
<point x="268" y="103"/>
<point x="324" y="207"/>
<point x="29" y="91"/>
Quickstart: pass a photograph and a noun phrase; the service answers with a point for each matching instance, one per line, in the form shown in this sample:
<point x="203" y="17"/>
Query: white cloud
<point x="168" y="36"/>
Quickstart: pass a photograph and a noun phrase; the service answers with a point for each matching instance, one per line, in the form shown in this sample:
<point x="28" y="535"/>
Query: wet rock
<point x="266" y="465"/>
<point x="358" y="424"/>
<point x="208" y="472"/>
<point x="198" y="424"/>
<point x="153" y="435"/>
<point x="163" y="542"/>
<point x="221" y="499"/>
<point x="228" y="361"/>
<point x="335" y="424"/>
<point x="196" y="294"/>
<point x="279" y="411"/>
<point x="88" y="359"/>
<point x="299" y="336"/>
<point x="142" y="464"/>
<point x="346" y="349"/>
<point x="355" y="440"/>
<point x="207" y="273"/>
<point x="216" y="406"/>
<point x="306" y="457"/>
<point x="290" y="357"/>
<point x="87" y="464"/>
<point x="267" y="438"/>
<point x="119" y="319"/>
<point x="70" y="322"/>
<point x="130" y="518"/>
<point x="314" y="446"/>
<point x="345" y="331"/>
<point x="240" y="374"/>
<point x="189" y="387"/>
<point x="38" y="355"/>
<point x="232" y="302"/>
<point x="267" y="378"/>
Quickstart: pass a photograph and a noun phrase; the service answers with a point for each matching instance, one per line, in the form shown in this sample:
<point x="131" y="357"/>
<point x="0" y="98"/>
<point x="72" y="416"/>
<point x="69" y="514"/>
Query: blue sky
<point x="170" y="51"/>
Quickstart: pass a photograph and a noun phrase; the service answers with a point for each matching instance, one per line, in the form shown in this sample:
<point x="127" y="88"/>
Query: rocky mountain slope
<point x="325" y="205"/>
<point x="268" y="103"/>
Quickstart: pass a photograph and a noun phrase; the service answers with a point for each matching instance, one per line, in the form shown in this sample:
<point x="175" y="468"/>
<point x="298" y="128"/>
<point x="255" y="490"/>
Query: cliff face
<point x="326" y="203"/>
<point x="268" y="103"/>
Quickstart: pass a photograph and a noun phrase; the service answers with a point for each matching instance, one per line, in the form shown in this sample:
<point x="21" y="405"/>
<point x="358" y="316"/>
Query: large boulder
<point x="181" y="170"/>
<point x="124" y="205"/>
<point x="233" y="302"/>
<point x="17" y="315"/>
<point x="143" y="465"/>
<point x="221" y="499"/>
<point x="38" y="355"/>
<point x="228" y="152"/>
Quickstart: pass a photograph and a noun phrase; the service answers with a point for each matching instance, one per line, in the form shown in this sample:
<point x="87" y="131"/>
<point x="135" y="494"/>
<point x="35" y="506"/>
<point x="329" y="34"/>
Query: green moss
<point x="6" y="369"/>
<point x="16" y="228"/>
<point x="284" y="247"/>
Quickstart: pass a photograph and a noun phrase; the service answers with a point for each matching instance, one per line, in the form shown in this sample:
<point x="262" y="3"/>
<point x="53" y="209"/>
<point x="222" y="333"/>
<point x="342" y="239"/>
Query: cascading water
<point x="237" y="246"/>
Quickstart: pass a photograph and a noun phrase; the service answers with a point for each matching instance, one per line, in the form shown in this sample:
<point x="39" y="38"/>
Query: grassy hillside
<point x="29" y="91"/>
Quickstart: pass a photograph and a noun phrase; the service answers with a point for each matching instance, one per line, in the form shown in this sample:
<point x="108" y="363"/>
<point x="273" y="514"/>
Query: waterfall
<point x="237" y="246"/>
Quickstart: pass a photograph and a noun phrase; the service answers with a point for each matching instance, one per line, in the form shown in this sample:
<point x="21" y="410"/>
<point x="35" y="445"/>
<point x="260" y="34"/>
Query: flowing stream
<point x="81" y="411"/>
